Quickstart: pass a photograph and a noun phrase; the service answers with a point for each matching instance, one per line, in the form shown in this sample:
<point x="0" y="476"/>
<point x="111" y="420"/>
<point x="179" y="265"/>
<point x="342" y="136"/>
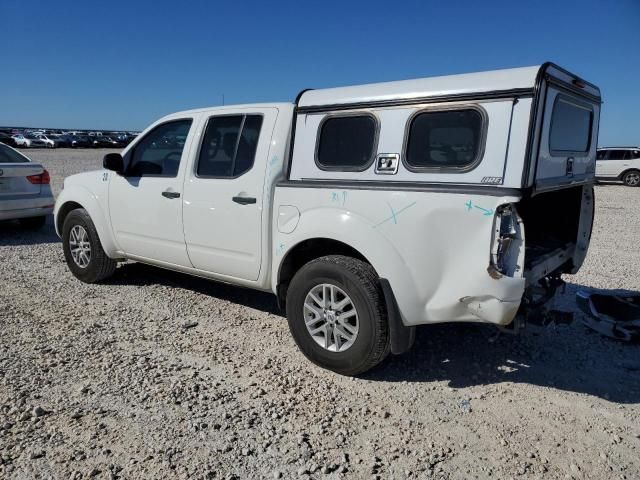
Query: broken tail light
<point x="507" y="246"/>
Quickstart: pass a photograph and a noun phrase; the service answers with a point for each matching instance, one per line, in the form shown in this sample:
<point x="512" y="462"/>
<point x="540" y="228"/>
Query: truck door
<point x="145" y="203"/>
<point x="223" y="202"/>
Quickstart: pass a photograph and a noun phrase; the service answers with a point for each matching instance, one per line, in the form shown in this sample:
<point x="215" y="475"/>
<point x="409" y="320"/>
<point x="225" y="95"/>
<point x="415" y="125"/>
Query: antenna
<point x="223" y="99"/>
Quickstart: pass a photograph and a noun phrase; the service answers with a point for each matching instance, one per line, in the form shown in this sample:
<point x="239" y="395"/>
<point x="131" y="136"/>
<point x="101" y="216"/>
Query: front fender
<point x="359" y="233"/>
<point x="93" y="204"/>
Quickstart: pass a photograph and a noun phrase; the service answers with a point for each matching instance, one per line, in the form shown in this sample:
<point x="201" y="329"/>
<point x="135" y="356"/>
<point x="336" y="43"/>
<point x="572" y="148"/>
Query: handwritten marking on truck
<point x="394" y="214"/>
<point x="339" y="197"/>
<point x="485" y="211"/>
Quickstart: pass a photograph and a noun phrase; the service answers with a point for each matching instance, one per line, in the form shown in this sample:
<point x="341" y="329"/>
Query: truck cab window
<point x="158" y="153"/>
<point x="229" y="146"/>
<point x="447" y="140"/>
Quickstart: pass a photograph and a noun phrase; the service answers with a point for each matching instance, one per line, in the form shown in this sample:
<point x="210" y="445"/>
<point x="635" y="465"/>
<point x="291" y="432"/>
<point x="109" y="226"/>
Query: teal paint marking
<point x="487" y="212"/>
<point x="394" y="214"/>
<point x="272" y="171"/>
<point x="280" y="249"/>
<point x="339" y="197"/>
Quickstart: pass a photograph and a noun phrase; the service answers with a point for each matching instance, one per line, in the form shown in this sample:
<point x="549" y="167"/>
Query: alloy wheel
<point x="331" y="317"/>
<point x="80" y="246"/>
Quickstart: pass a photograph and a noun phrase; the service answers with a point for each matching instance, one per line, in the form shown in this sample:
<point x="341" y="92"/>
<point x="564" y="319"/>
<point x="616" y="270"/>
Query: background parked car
<point x="619" y="163"/>
<point x="49" y="142"/>
<point x="7" y="139"/>
<point x="101" y="141"/>
<point x="36" y="141"/>
<point x="80" y="141"/>
<point x="62" y="141"/>
<point x="21" y="141"/>
<point x="25" y="193"/>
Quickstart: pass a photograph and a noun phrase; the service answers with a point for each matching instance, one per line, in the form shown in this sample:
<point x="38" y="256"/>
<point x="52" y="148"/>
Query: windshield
<point x="9" y="155"/>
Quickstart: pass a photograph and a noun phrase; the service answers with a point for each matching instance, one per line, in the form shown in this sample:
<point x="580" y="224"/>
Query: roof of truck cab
<point x="512" y="79"/>
<point x="222" y="108"/>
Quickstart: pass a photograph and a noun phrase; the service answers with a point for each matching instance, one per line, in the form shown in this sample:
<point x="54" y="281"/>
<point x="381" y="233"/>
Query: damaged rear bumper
<point x="490" y="309"/>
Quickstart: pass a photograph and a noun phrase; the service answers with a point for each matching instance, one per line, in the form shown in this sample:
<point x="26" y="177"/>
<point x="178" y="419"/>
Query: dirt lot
<point x="107" y="381"/>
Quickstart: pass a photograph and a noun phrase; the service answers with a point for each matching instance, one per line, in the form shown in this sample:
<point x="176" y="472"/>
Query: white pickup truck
<point x="367" y="210"/>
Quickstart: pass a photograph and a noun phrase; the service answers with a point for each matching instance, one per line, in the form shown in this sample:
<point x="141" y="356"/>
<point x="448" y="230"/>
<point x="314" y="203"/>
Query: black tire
<point x="360" y="282"/>
<point x="100" y="266"/>
<point x="631" y="178"/>
<point x="33" y="223"/>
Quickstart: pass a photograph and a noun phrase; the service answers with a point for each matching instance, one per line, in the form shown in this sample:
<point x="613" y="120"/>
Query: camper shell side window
<point x="347" y="142"/>
<point x="445" y="140"/>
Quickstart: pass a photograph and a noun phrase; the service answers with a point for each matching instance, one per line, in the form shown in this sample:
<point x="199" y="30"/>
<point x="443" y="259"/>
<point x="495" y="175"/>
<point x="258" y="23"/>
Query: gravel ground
<point x="160" y="375"/>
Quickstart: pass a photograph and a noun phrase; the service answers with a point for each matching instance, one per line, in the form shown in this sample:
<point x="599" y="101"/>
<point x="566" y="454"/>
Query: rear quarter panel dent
<point x="432" y="247"/>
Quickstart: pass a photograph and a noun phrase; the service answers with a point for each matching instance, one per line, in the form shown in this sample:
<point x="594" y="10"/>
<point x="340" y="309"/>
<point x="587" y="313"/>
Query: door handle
<point x="169" y="194"/>
<point x="244" y="200"/>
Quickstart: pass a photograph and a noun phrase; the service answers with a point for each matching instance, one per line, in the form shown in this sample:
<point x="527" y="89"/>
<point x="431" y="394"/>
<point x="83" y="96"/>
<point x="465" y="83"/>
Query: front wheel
<point x="82" y="248"/>
<point x="632" y="178"/>
<point x="337" y="316"/>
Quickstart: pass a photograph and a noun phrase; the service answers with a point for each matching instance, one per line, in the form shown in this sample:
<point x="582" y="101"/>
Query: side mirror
<point x="113" y="162"/>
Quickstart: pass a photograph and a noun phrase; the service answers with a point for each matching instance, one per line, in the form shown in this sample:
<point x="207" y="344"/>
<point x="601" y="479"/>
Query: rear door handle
<point x="244" y="200"/>
<point x="169" y="194"/>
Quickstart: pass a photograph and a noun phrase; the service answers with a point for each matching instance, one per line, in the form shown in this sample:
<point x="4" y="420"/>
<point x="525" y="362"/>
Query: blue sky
<point x="122" y="64"/>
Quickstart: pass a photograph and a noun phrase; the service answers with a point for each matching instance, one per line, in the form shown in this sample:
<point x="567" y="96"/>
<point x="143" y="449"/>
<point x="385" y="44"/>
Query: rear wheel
<point x="33" y="223"/>
<point x="83" y="251"/>
<point x="631" y="178"/>
<point x="337" y="316"/>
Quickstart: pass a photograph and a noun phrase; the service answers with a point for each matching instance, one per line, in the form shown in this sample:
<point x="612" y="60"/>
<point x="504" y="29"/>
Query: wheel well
<point x="65" y="210"/>
<point x="306" y="251"/>
<point x="621" y="176"/>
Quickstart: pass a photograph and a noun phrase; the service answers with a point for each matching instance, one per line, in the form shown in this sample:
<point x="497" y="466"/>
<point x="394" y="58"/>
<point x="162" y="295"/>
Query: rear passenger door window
<point x="229" y="146"/>
<point x="347" y="142"/>
<point x="617" y="155"/>
<point x="445" y="140"/>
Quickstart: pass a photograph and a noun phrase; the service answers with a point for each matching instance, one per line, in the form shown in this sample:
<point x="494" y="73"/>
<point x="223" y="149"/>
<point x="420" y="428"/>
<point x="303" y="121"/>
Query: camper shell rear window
<point x="571" y="123"/>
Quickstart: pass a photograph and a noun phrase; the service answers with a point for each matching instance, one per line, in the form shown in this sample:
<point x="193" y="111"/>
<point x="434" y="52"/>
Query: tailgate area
<point x="557" y="228"/>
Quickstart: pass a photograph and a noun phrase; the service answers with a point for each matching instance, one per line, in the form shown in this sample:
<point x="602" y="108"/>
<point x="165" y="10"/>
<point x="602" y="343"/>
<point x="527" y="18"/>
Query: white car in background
<point x="21" y="141"/>
<point x="49" y="142"/>
<point x="25" y="193"/>
<point x="619" y="163"/>
<point x="29" y="141"/>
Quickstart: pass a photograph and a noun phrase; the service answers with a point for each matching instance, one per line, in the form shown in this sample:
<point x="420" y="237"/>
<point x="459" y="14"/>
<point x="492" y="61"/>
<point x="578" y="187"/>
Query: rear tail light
<point x="507" y="251"/>
<point x="40" y="179"/>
